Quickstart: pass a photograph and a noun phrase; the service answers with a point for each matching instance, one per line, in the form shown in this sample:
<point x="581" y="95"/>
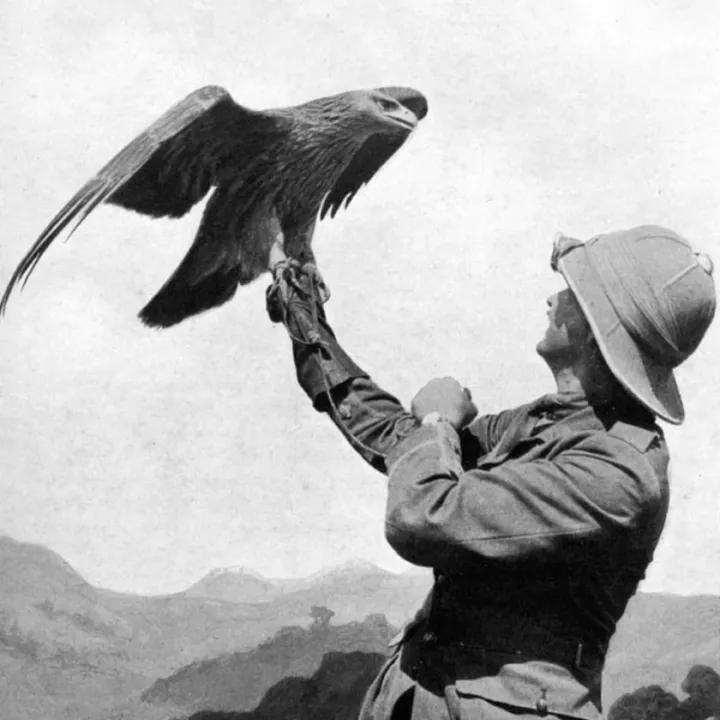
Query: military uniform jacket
<point x="539" y="522"/>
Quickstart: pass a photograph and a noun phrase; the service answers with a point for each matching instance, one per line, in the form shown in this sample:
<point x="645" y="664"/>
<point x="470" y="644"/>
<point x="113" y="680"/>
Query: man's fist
<point x="447" y="397"/>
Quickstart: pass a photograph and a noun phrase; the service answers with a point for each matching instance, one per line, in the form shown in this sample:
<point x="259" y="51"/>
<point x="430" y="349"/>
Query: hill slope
<point x="238" y="681"/>
<point x="334" y="692"/>
<point x="48" y="612"/>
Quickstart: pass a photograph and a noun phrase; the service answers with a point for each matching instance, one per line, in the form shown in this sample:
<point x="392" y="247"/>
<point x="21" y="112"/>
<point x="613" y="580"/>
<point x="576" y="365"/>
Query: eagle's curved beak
<point x="409" y="98"/>
<point x="404" y="117"/>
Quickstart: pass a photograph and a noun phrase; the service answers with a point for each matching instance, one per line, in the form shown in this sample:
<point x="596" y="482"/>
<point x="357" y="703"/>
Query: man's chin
<point x="550" y="355"/>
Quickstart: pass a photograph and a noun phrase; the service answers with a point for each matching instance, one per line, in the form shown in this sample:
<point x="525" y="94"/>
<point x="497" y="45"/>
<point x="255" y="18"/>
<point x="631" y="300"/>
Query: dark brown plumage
<point x="270" y="171"/>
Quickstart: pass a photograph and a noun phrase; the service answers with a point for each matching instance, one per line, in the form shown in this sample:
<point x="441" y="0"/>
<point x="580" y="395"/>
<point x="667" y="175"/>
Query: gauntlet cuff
<point x="321" y="364"/>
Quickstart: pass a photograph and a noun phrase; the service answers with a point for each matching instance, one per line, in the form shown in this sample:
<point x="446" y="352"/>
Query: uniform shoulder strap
<point x="636" y="435"/>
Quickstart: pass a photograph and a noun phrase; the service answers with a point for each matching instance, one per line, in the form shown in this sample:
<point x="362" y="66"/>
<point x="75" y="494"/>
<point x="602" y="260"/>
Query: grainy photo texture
<point x="359" y="360"/>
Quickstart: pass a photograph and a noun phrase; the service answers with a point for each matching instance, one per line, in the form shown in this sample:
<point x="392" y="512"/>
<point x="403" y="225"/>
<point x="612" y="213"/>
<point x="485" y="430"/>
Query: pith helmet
<point x="649" y="299"/>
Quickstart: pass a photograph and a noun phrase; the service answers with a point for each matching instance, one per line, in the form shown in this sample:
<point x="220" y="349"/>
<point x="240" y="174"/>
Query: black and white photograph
<point x="358" y="360"/>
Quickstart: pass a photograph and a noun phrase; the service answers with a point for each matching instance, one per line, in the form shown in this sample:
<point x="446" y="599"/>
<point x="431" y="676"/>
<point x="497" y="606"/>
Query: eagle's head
<point x="389" y="110"/>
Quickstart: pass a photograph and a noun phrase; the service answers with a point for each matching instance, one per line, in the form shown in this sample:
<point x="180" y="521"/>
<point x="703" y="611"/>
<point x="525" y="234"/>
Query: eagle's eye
<point x="386" y="105"/>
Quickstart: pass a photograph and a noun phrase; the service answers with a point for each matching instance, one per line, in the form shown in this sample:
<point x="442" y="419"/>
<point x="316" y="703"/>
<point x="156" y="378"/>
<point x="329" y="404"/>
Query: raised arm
<point x="371" y="419"/>
<point x="558" y="506"/>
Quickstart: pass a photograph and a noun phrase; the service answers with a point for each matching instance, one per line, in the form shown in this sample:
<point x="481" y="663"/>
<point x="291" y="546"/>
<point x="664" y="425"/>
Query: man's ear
<point x="590" y="344"/>
<point x="595" y="357"/>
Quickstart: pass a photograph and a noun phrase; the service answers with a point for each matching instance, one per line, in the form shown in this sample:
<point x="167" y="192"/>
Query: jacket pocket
<point x="540" y="688"/>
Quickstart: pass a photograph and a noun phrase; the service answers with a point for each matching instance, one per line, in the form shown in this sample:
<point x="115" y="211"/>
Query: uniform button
<point x="541" y="704"/>
<point x="430" y="638"/>
<point x="345" y="411"/>
<point x="440" y="579"/>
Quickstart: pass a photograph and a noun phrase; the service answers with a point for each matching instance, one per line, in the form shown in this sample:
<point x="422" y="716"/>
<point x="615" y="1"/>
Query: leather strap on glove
<point x="321" y="364"/>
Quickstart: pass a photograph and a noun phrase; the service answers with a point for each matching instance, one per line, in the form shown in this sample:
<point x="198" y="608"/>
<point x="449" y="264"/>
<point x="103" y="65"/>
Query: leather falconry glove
<point x="296" y="299"/>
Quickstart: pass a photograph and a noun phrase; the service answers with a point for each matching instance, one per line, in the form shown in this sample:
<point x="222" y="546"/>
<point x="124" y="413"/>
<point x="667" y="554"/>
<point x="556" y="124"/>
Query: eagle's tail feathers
<point x="225" y="253"/>
<point x="177" y="300"/>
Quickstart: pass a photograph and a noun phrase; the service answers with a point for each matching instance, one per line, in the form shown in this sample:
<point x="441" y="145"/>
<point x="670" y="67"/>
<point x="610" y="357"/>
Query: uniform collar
<point x="558" y="406"/>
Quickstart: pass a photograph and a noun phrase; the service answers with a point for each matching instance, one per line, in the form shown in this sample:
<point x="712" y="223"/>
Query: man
<point x="539" y="522"/>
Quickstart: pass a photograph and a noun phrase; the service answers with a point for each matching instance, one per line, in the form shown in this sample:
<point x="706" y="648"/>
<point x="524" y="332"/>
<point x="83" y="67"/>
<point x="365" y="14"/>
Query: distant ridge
<point x="234" y="584"/>
<point x="245" y="585"/>
<point x="26" y="564"/>
<point x="238" y="570"/>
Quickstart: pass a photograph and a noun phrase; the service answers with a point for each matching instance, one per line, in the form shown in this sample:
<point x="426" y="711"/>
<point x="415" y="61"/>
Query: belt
<point x="568" y="652"/>
<point x="524" y="640"/>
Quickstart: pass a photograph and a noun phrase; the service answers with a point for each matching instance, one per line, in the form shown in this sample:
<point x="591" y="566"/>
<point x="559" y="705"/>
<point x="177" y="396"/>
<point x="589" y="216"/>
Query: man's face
<point x="568" y="330"/>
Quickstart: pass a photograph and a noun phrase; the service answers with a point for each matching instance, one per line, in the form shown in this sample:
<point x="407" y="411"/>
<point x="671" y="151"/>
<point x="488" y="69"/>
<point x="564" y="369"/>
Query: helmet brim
<point x="649" y="382"/>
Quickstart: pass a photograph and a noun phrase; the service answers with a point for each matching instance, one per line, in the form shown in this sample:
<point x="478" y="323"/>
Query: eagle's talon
<point x="283" y="268"/>
<point x="324" y="291"/>
<point x="318" y="282"/>
<point x="278" y="293"/>
<point x="290" y="277"/>
<point x="276" y="300"/>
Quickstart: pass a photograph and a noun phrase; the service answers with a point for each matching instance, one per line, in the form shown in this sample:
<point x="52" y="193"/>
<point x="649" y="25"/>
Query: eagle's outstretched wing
<point x="166" y="169"/>
<point x="373" y="154"/>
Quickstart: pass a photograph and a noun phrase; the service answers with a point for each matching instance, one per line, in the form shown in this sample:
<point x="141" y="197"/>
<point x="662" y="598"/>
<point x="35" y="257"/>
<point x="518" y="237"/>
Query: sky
<point x="146" y="458"/>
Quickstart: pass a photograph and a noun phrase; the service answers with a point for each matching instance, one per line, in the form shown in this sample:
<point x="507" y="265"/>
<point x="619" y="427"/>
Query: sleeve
<point x="371" y="419"/>
<point x="556" y="509"/>
<point x="484" y="433"/>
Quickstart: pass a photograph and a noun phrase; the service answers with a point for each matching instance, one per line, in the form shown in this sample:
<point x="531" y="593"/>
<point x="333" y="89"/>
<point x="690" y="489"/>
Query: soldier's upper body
<point x="538" y="522"/>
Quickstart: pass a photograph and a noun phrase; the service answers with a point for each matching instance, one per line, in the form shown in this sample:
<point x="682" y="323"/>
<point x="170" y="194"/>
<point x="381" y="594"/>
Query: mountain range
<point x="70" y="650"/>
<point x="356" y="589"/>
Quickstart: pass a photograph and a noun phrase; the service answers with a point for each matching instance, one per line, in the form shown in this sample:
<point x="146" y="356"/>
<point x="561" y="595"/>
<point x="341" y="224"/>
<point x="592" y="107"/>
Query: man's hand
<point x="447" y="397"/>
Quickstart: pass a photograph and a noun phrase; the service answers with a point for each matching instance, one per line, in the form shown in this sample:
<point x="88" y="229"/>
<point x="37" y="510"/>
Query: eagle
<point x="272" y="173"/>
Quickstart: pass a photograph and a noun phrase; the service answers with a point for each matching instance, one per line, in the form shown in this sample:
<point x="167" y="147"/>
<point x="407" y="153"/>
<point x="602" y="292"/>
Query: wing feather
<point x="371" y="156"/>
<point x="166" y="169"/>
